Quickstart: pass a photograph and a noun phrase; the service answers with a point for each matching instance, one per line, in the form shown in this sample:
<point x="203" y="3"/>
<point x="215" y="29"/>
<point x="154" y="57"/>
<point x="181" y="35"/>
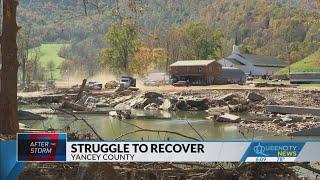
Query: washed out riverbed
<point x="110" y="128"/>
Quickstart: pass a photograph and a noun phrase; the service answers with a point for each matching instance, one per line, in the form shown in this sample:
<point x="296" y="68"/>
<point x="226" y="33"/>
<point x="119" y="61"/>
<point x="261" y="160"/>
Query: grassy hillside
<point x="47" y="53"/>
<point x="309" y="64"/>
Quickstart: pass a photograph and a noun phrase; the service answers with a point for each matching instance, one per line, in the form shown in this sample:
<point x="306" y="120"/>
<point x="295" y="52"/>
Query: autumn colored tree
<point x="122" y="41"/>
<point x="171" y="41"/>
<point x="9" y="69"/>
<point x="146" y="59"/>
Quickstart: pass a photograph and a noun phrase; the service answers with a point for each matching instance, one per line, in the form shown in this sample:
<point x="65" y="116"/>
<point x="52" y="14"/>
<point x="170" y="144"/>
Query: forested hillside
<point x="283" y="28"/>
<point x="309" y="64"/>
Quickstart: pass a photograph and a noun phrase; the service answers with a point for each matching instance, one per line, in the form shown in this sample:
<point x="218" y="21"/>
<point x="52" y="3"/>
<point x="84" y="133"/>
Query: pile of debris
<point x="158" y="171"/>
<point x="258" y="114"/>
<point x="157" y="101"/>
<point x="233" y="103"/>
<point x="283" y="124"/>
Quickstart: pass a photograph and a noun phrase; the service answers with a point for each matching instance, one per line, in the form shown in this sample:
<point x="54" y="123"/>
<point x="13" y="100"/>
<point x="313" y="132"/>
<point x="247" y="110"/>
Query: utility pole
<point x="288" y="50"/>
<point x="289" y="66"/>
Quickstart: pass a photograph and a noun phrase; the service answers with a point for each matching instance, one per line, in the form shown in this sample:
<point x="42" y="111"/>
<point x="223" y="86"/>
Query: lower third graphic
<point x="272" y="151"/>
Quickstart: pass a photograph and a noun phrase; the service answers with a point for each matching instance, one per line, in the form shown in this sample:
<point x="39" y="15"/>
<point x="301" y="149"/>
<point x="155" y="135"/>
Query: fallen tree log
<point x="73" y="106"/>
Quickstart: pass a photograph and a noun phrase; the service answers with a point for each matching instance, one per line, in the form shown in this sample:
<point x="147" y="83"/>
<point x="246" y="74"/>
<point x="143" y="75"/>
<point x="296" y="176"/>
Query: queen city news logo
<point x="275" y="149"/>
<point x="41" y="146"/>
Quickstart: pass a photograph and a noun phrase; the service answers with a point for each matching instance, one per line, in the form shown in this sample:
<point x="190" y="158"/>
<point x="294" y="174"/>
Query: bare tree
<point x="51" y="67"/>
<point x="24" y="46"/>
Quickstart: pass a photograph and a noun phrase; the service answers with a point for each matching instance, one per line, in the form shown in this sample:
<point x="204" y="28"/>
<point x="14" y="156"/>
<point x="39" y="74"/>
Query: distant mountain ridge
<point x="263" y="27"/>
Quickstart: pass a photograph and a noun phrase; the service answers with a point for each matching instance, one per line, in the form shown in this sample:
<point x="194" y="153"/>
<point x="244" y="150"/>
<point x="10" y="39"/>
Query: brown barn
<point x="198" y="72"/>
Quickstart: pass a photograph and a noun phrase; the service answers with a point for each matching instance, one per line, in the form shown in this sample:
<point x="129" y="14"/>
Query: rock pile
<point x="156" y="101"/>
<point x="284" y="124"/>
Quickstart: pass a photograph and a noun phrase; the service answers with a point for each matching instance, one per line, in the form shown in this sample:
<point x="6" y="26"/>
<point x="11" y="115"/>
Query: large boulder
<point x="136" y="102"/>
<point x="198" y="103"/>
<point x="252" y="96"/>
<point x="141" y="101"/>
<point x="189" y="103"/>
<point x="182" y="105"/>
<point x="152" y="95"/>
<point x="230" y="118"/>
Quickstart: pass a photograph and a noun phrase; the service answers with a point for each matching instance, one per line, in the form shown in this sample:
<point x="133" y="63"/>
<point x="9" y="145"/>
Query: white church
<point x="253" y="65"/>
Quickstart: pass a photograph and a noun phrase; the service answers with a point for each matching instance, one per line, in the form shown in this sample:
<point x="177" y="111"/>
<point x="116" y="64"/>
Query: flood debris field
<point x="246" y="108"/>
<point x="159" y="171"/>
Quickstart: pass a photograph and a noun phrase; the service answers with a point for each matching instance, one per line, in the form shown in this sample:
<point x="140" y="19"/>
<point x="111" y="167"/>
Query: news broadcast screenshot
<point x="160" y="89"/>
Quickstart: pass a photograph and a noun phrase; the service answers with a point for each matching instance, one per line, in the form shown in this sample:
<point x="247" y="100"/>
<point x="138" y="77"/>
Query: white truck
<point x="127" y="81"/>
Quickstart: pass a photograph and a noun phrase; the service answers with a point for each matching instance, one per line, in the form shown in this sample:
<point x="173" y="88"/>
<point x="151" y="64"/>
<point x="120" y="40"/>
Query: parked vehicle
<point x="94" y="85"/>
<point x="127" y="81"/>
<point x="111" y="85"/>
<point x="97" y="86"/>
<point x="181" y="83"/>
<point x="149" y="82"/>
<point x="173" y="79"/>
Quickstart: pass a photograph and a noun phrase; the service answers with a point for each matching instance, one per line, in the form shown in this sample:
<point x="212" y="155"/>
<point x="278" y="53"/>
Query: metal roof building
<point x="231" y="75"/>
<point x="255" y="65"/>
<point x="192" y="63"/>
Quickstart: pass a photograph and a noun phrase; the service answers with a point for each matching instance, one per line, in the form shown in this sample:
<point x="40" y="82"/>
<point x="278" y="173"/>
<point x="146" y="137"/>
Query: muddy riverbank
<point x="248" y="104"/>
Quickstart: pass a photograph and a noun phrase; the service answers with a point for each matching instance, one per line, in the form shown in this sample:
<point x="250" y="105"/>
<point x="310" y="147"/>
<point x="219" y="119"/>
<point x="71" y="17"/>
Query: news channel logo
<point x="275" y="149"/>
<point x="41" y="146"/>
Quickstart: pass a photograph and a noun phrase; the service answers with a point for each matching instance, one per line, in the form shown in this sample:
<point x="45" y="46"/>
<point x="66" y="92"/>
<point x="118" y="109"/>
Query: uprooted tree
<point x="9" y="69"/>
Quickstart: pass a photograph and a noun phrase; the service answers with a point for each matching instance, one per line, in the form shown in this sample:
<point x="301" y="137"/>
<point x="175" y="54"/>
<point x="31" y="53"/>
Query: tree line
<point x="131" y="51"/>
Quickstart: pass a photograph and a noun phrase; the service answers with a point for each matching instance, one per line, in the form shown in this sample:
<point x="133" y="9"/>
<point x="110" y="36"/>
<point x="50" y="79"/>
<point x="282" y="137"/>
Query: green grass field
<point x="47" y="53"/>
<point x="308" y="64"/>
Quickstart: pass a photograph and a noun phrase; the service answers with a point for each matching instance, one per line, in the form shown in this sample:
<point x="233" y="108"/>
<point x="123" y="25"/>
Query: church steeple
<point x="236" y="40"/>
<point x="235" y="48"/>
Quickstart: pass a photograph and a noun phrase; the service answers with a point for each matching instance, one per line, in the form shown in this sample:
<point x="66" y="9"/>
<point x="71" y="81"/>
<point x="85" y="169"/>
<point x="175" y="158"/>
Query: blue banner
<point x="9" y="167"/>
